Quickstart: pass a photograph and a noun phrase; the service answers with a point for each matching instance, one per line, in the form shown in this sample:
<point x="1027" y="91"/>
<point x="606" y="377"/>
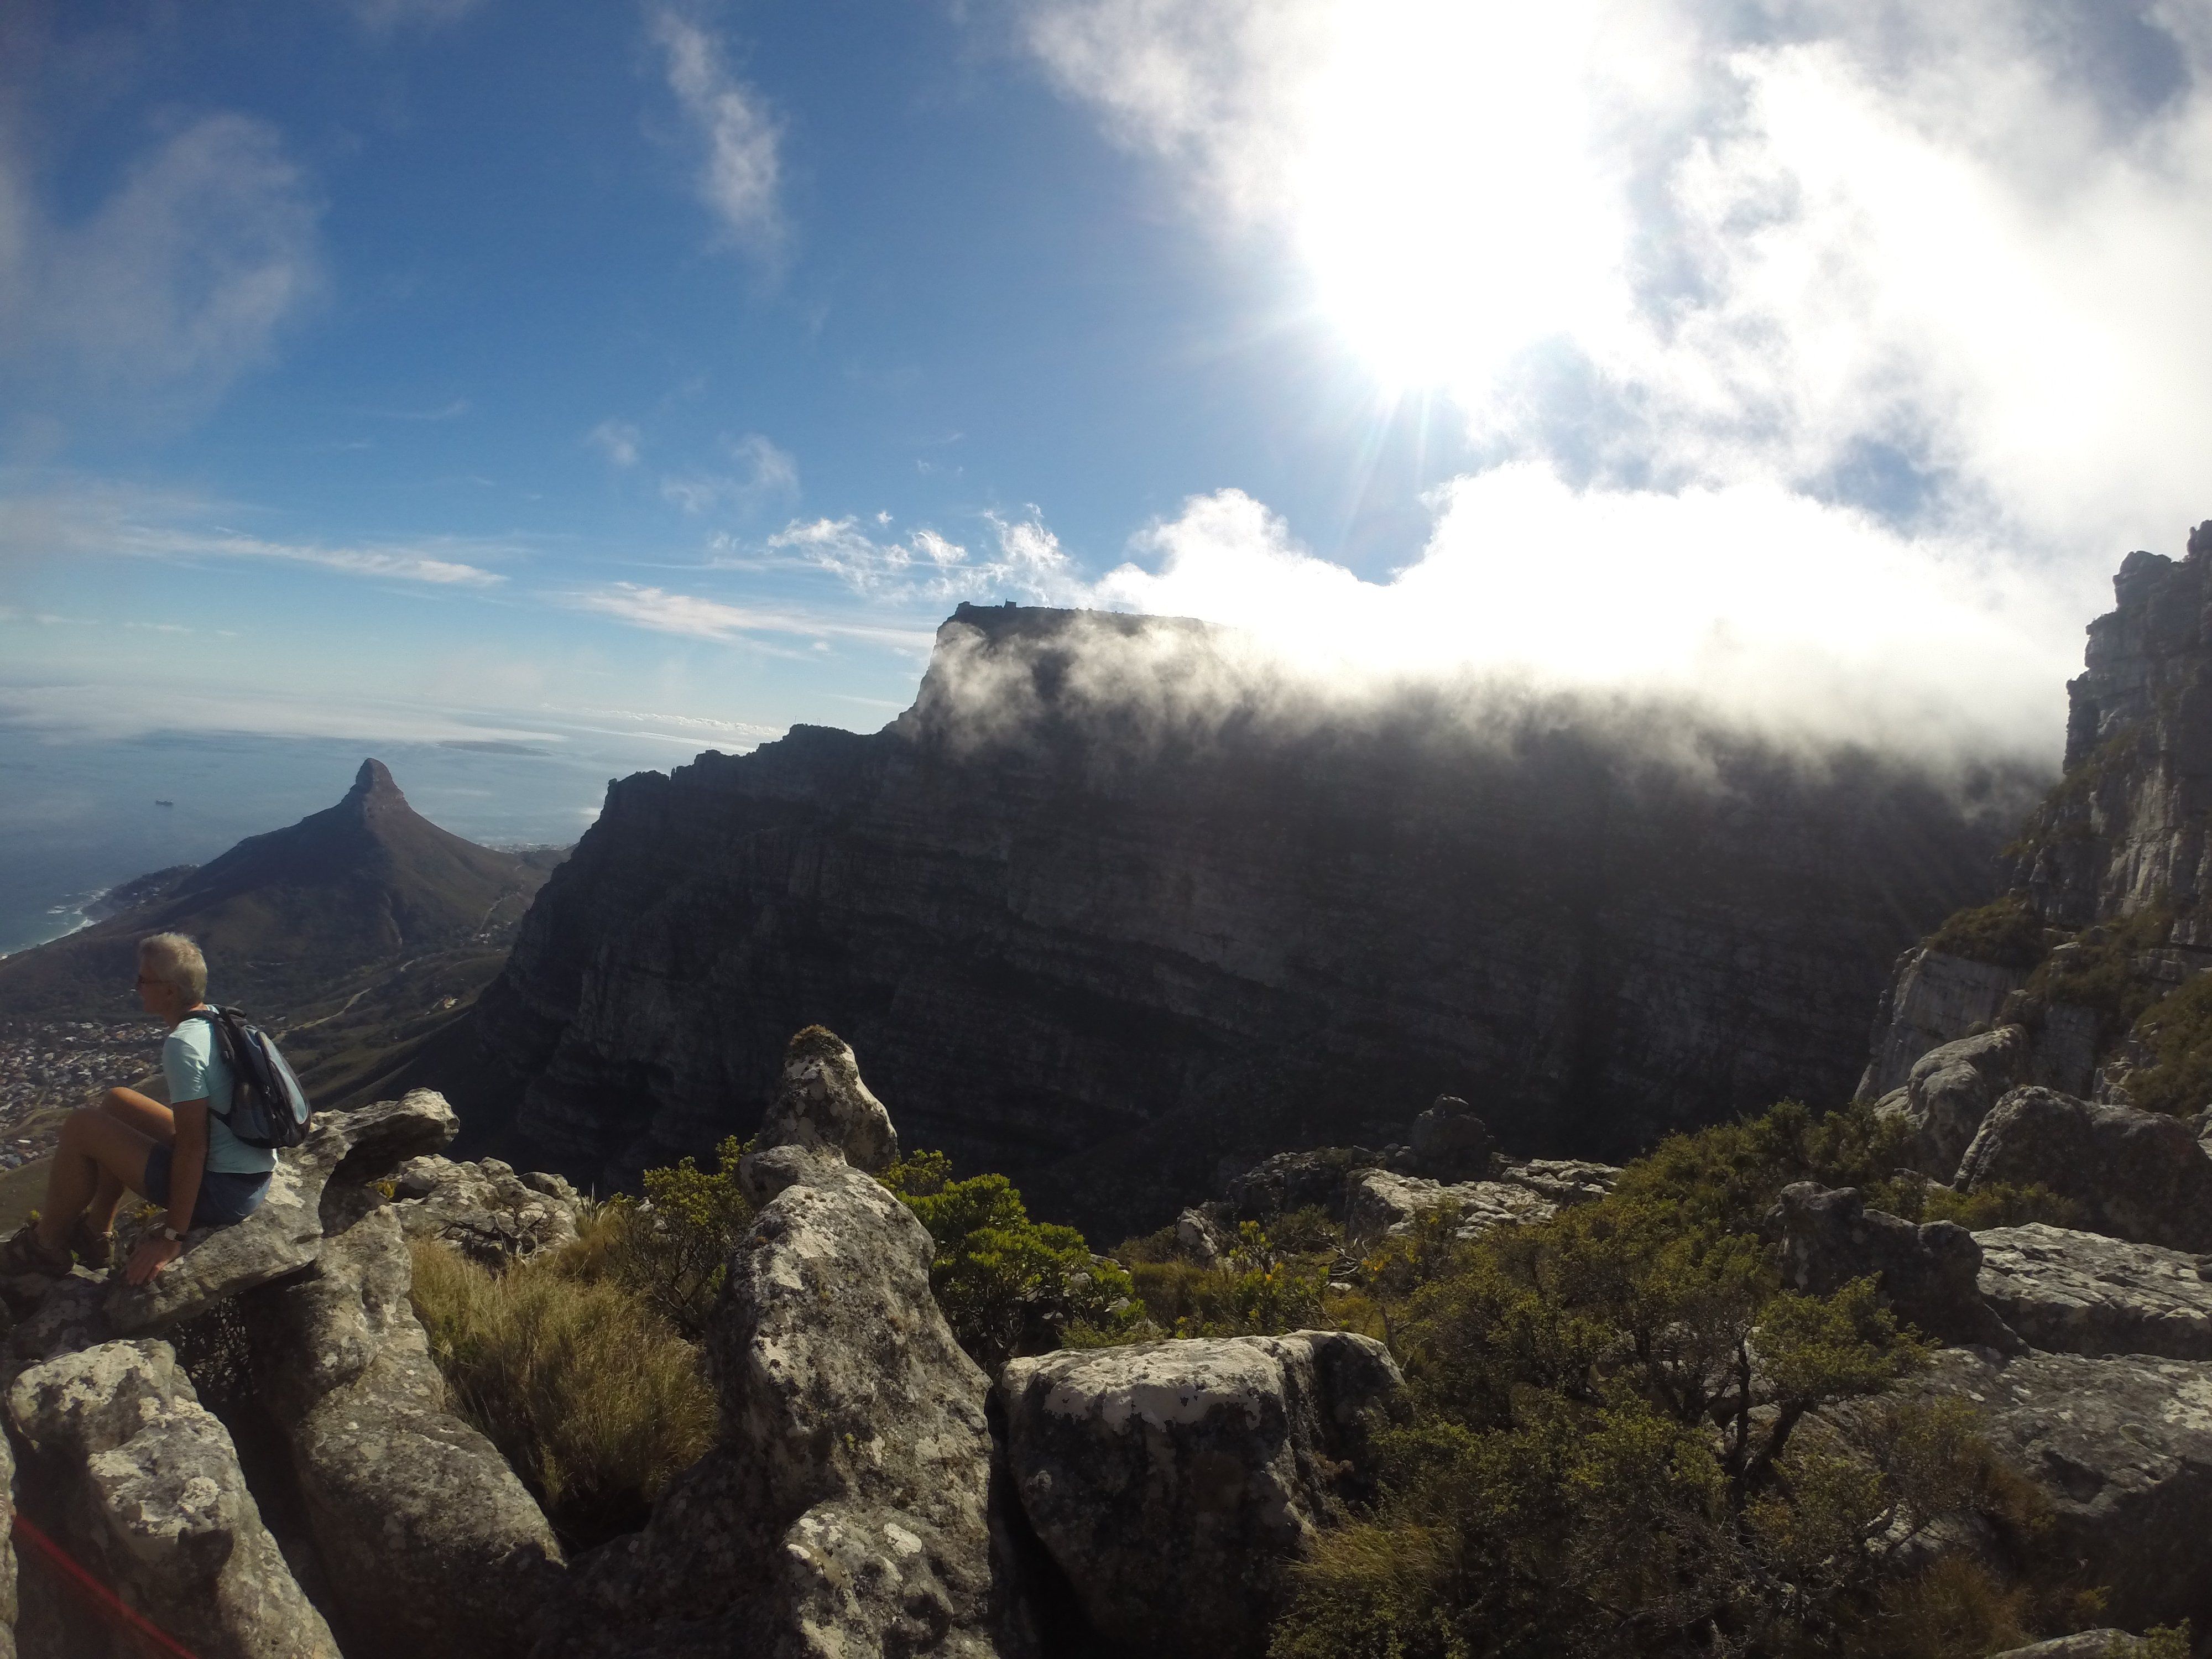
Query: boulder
<point x="820" y="1102"/>
<point x="2135" y="1174"/>
<point x="484" y="1210"/>
<point x="1449" y="1142"/>
<point x="1173" y="1482"/>
<point x="1950" y="1091"/>
<point x="2078" y="1292"/>
<point x="1202" y="1238"/>
<point x="283" y="1235"/>
<point x="8" y="1606"/>
<point x="1380" y="1203"/>
<point x="1927" y="1272"/>
<point x="845" y="1506"/>
<point x="1317" y="1178"/>
<point x="433" y="1549"/>
<point x="2121" y="1447"/>
<point x="148" y="1496"/>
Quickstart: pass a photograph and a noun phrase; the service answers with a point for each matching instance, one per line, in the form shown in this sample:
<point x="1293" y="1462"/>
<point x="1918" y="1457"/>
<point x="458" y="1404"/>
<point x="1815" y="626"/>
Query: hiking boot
<point x="25" y="1253"/>
<point x="94" y="1250"/>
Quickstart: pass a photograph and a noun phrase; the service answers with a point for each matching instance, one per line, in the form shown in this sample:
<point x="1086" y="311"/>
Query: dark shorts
<point x="223" y="1198"/>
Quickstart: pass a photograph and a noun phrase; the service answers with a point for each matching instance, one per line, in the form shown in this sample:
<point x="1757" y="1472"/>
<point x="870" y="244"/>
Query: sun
<point x="1451" y="202"/>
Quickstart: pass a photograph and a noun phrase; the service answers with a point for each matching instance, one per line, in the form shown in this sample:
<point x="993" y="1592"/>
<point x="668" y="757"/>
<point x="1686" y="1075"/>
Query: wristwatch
<point x="172" y="1234"/>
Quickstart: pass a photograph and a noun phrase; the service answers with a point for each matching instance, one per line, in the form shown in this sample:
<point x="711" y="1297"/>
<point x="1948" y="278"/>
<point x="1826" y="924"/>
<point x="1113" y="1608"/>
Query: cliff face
<point x="1099" y="923"/>
<point x="2107" y="919"/>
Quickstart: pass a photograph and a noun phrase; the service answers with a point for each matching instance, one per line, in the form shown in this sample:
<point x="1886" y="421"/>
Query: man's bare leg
<point x="149" y="1117"/>
<point x="94" y="1145"/>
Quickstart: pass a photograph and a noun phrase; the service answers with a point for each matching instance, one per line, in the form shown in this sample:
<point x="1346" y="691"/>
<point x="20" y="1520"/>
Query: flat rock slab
<point x="284" y="1234"/>
<point x="2076" y="1292"/>
<point x="2121" y="1445"/>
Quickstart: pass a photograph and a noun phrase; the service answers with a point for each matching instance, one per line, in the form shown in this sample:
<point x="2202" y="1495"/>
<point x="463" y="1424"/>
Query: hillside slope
<point x="284" y="914"/>
<point x="1100" y="924"/>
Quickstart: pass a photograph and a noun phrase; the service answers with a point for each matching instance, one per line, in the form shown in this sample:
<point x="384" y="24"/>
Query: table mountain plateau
<point x="1109" y="906"/>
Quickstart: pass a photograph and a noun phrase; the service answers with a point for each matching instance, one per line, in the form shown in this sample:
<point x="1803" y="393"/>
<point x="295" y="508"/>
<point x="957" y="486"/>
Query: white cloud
<point x="740" y="170"/>
<point x="924" y="566"/>
<point x="618" y="440"/>
<point x="701" y="618"/>
<point x="762" y="472"/>
<point x="90" y="521"/>
<point x="179" y="282"/>
<point x="1873" y="326"/>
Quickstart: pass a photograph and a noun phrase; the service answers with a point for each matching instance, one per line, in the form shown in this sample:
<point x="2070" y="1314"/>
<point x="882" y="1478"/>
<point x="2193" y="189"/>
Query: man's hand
<point x="155" y="1251"/>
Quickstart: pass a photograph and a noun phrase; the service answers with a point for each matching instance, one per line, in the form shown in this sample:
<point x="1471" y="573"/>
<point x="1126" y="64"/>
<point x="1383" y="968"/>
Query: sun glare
<point x="1452" y="207"/>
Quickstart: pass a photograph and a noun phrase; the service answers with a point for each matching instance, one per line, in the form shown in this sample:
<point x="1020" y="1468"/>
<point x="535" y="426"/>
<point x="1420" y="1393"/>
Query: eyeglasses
<point x="148" y="979"/>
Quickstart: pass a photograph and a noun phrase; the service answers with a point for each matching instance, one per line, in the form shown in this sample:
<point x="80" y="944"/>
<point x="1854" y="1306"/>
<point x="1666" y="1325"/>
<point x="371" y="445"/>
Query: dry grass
<point x="592" y="1398"/>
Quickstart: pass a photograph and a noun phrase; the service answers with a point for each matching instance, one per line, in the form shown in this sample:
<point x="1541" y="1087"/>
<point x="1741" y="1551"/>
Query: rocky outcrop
<point x="821" y="1103"/>
<point x="1934" y="997"/>
<point x="433" y="1546"/>
<point x="2078" y="1292"/>
<point x="1245" y="925"/>
<point x="1927" y="1274"/>
<point x="283" y="1234"/>
<point x="846" y="1507"/>
<point x="484" y="1210"/>
<point x="1173" y="1482"/>
<point x="2121" y="1447"/>
<point x="1950" y="1091"/>
<point x="148" y="1496"/>
<point x="2109" y="906"/>
<point x="1316" y="1178"/>
<point x="1380" y="1204"/>
<point x="2138" y="1176"/>
<point x="2103" y="1644"/>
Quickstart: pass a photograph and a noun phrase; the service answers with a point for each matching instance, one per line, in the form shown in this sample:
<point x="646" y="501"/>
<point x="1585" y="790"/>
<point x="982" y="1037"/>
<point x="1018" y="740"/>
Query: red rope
<point x="101" y="1597"/>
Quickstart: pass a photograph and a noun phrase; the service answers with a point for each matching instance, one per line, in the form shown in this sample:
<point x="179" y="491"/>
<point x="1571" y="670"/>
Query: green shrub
<point x="1626" y="1438"/>
<point x="2178" y="1031"/>
<point x="591" y="1397"/>
<point x="2007" y="933"/>
<point x="1008" y="1285"/>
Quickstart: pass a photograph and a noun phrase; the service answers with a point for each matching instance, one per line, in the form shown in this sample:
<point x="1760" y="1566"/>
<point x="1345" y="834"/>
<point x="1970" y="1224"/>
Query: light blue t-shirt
<point x="193" y="1063"/>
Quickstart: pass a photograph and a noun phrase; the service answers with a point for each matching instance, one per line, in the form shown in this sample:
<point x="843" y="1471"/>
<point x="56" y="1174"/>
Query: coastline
<point x="84" y="909"/>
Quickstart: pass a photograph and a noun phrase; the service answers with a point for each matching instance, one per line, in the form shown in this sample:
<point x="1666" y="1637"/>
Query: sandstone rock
<point x="1379" y="1204"/>
<point x="821" y="1102"/>
<point x="2106" y="1644"/>
<point x="435" y="1549"/>
<point x="484" y="1210"/>
<point x="2136" y="1175"/>
<point x="1201" y="1238"/>
<point x="8" y="1606"/>
<point x="283" y="1235"/>
<point x="2078" y="1292"/>
<point x="1317" y="1178"/>
<point x="150" y="1500"/>
<point x="1449" y="1142"/>
<point x="1172" y="1482"/>
<point x="1950" y="1091"/>
<point x="1934" y="1000"/>
<point x="1564" y="1181"/>
<point x="1927" y="1272"/>
<point x="2121" y="1446"/>
<point x="845" y="1509"/>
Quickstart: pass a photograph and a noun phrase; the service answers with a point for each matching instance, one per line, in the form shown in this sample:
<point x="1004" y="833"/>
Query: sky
<point x="439" y="368"/>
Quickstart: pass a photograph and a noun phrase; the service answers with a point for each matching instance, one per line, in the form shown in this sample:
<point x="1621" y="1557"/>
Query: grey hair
<point x="174" y="960"/>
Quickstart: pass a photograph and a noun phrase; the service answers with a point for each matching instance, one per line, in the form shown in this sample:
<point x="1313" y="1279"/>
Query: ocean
<point x="79" y="816"/>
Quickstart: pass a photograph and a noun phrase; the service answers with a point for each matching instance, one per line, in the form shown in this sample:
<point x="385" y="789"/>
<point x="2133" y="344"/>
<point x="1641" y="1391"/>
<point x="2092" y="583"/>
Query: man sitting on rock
<point x="182" y="1155"/>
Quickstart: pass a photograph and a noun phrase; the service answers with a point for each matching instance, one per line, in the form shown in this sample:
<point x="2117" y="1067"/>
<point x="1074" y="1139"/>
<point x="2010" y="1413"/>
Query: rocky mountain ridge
<point x="1190" y="927"/>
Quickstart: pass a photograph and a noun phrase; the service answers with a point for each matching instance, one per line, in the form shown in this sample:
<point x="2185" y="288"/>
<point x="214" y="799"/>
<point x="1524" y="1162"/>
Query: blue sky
<point x="440" y="363"/>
